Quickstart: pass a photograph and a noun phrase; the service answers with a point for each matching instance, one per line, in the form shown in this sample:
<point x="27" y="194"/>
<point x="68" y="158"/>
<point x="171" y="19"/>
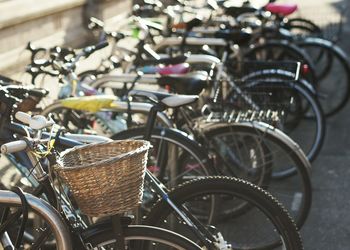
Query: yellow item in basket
<point x="89" y="103"/>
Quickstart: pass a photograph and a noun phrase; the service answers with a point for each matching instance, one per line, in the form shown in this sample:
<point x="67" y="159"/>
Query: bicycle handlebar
<point x="58" y="60"/>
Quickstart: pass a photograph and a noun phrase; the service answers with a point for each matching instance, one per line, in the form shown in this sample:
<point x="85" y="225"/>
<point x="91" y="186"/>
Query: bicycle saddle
<point x="89" y="103"/>
<point x="169" y="100"/>
<point x="181" y="68"/>
<point x="283" y="9"/>
<point x="235" y="11"/>
<point x="195" y="22"/>
<point x="165" y="61"/>
<point x="192" y="83"/>
<point x="238" y="36"/>
<point x="188" y="26"/>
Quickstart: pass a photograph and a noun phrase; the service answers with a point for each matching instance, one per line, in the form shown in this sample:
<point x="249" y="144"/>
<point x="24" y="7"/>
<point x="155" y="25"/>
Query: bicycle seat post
<point x="152" y="116"/>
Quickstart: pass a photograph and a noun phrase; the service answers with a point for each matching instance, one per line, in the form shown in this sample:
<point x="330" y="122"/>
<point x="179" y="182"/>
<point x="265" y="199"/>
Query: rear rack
<point x="269" y="116"/>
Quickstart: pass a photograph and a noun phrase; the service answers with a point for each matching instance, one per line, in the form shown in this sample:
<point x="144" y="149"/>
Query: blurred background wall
<point x="47" y="23"/>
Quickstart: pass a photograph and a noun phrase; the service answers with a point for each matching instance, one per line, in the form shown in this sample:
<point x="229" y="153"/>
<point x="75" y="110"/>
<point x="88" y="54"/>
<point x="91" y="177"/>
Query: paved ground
<point x="328" y="224"/>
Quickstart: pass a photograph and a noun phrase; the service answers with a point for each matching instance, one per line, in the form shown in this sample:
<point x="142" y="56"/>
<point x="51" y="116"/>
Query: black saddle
<point x="235" y="11"/>
<point x="238" y="36"/>
<point x="169" y="100"/>
<point x="165" y="61"/>
<point x="195" y="22"/>
<point x="191" y="84"/>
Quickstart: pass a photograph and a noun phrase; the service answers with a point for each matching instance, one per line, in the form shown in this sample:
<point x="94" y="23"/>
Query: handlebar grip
<point x="14" y="146"/>
<point x="23" y="117"/>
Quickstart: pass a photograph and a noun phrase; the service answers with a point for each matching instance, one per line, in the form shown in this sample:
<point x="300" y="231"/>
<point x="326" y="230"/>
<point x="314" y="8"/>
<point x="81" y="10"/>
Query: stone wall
<point x="47" y="23"/>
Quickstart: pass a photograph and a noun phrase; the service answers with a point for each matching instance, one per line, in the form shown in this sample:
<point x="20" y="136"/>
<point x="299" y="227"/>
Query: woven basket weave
<point x="105" y="178"/>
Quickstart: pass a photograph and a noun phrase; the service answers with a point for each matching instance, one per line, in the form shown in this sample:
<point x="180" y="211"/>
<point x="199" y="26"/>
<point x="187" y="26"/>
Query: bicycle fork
<point x="182" y="213"/>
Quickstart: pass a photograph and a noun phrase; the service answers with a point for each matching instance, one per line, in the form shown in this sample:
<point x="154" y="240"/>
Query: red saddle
<point x="283" y="9"/>
<point x="181" y="68"/>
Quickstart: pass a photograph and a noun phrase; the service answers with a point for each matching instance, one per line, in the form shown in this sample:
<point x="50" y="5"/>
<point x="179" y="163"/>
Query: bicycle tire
<point x="266" y="204"/>
<point x="303" y="24"/>
<point x="289" y="152"/>
<point x="173" y="240"/>
<point x="290" y="52"/>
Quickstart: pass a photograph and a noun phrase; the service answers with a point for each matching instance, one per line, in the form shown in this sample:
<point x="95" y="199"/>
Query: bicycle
<point x="165" y="140"/>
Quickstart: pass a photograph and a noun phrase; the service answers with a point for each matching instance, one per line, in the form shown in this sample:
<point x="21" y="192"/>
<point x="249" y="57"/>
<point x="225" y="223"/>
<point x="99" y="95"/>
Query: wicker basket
<point x="105" y="178"/>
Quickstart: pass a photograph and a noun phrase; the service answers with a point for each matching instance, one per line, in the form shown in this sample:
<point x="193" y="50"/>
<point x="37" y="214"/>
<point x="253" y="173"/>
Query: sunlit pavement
<point x="328" y="224"/>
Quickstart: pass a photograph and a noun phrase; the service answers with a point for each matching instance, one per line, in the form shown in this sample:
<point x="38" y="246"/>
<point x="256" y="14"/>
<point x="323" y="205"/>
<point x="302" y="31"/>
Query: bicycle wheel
<point x="256" y="152"/>
<point x="264" y="224"/>
<point x="301" y="115"/>
<point x="174" y="157"/>
<point x="44" y="227"/>
<point x="275" y="50"/>
<point x="302" y="26"/>
<point x="332" y="72"/>
<point x="147" y="236"/>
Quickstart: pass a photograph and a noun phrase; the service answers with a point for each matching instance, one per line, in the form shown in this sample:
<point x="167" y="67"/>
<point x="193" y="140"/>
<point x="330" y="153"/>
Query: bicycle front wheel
<point x="263" y="224"/>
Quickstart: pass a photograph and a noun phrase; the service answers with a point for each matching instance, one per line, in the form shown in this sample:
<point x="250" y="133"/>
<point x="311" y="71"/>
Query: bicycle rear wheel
<point x="281" y="50"/>
<point x="257" y="152"/>
<point x="300" y="114"/>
